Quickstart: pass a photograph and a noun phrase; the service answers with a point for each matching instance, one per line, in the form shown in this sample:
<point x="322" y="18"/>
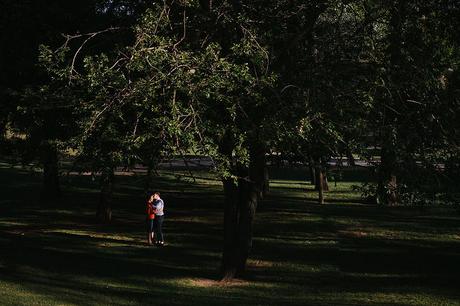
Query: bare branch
<point x="184" y="31"/>
<point x="89" y="37"/>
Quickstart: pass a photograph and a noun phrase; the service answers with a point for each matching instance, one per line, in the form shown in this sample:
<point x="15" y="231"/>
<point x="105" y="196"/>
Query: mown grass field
<point x="341" y="253"/>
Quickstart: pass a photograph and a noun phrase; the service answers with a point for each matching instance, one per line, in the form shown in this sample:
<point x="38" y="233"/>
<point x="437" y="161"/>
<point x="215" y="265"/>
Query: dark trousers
<point x="159" y="228"/>
<point x="150" y="225"/>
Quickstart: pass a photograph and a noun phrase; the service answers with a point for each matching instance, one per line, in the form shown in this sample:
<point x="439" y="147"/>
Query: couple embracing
<point x="155" y="216"/>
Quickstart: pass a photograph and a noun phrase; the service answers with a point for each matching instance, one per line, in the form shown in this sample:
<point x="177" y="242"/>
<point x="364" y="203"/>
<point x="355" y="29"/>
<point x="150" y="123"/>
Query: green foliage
<point x="160" y="92"/>
<point x="305" y="80"/>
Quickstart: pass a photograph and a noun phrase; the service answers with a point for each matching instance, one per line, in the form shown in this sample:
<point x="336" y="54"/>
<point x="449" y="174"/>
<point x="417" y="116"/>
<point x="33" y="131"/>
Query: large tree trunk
<point x="104" y="209"/>
<point x="249" y="198"/>
<point x="240" y="207"/>
<point x="247" y="205"/>
<point x="51" y="188"/>
<point x="229" y="254"/>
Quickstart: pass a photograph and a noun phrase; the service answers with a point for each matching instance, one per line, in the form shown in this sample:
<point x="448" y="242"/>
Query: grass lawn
<point x="341" y="253"/>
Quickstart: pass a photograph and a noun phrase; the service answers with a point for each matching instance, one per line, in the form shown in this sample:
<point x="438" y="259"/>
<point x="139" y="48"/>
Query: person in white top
<point x="158" y="206"/>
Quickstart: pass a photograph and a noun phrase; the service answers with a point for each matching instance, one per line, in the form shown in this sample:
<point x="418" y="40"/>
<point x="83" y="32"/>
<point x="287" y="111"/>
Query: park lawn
<point x="341" y="253"/>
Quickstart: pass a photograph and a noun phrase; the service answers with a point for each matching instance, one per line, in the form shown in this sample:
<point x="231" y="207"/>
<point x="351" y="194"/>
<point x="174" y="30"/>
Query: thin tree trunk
<point x="320" y="186"/>
<point x="148" y="177"/>
<point x="313" y="175"/>
<point x="104" y="209"/>
<point x="266" y="186"/>
<point x="350" y="159"/>
<point x="325" y="180"/>
<point x="51" y="188"/>
<point x="321" y="179"/>
<point x="150" y="174"/>
<point x="2" y="131"/>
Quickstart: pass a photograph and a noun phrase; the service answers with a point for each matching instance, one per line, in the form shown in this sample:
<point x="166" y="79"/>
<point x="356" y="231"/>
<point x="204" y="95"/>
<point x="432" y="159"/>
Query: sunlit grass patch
<point x="7" y="223"/>
<point x="212" y="283"/>
<point x="89" y="235"/>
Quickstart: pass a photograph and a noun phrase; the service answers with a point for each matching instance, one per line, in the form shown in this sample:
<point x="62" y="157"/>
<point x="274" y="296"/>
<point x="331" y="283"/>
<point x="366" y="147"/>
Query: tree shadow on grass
<point x="404" y="256"/>
<point x="298" y="247"/>
<point x="103" y="257"/>
<point x="68" y="267"/>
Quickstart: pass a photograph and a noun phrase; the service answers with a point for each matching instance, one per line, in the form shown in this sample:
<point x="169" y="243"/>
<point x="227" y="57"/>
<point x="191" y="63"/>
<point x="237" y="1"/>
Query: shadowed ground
<point x="343" y="253"/>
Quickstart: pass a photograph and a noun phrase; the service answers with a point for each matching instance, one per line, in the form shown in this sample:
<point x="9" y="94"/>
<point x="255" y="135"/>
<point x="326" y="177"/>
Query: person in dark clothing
<point x="158" y="206"/>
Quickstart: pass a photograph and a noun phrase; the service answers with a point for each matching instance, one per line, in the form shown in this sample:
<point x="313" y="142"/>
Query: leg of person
<point x="160" y="237"/>
<point x="149" y="238"/>
<point x="155" y="230"/>
<point x="149" y="231"/>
